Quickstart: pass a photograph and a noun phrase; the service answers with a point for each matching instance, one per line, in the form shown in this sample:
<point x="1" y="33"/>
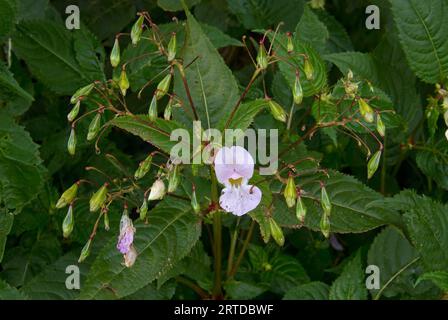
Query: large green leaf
<point x="8" y="15"/>
<point x="171" y="234"/>
<point x="6" y="221"/>
<point x="422" y="30"/>
<point x="312" y="30"/>
<point x="10" y="293"/>
<point x="310" y="291"/>
<point x="440" y="278"/>
<point x="433" y="161"/>
<point x="339" y="40"/>
<point x="9" y="86"/>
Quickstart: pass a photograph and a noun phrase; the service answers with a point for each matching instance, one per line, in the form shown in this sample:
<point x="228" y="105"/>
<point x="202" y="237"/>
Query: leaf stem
<point x="217" y="239"/>
<point x="243" y="250"/>
<point x="233" y="240"/>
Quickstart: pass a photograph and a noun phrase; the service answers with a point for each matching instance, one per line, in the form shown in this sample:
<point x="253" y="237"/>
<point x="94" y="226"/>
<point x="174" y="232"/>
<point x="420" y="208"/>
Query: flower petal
<point x="240" y="201"/>
<point x="233" y="163"/>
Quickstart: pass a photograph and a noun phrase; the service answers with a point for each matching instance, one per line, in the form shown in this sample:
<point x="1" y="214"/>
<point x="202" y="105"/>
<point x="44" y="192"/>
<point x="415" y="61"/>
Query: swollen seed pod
<point x="68" y="223"/>
<point x="277" y="111"/>
<point x="98" y="198"/>
<point x="262" y="57"/>
<point x="290" y="45"/>
<point x="157" y="190"/>
<point x="144" y="210"/>
<point x="123" y="83"/>
<point x="143" y="168"/>
<point x="365" y="110"/>
<point x="115" y="54"/>
<point x="380" y="127"/>
<point x="308" y="69"/>
<point x="71" y="144"/>
<point x="290" y="192"/>
<point x="168" y="110"/>
<point x="81" y="92"/>
<point x="300" y="210"/>
<point x="194" y="202"/>
<point x="325" y="225"/>
<point x="276" y="232"/>
<point x="163" y="87"/>
<point x="94" y="127"/>
<point x="172" y="47"/>
<point x="136" y="31"/>
<point x="373" y="164"/>
<point x="74" y="112"/>
<point x="325" y="201"/>
<point x="173" y="179"/>
<point x="85" y="252"/>
<point x="152" y="111"/>
<point x="68" y="196"/>
<point x="297" y="91"/>
<point x="106" y="222"/>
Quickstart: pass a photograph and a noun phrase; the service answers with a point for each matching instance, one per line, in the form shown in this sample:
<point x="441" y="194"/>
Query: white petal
<point x="240" y="201"/>
<point x="446" y="134"/>
<point x="234" y="162"/>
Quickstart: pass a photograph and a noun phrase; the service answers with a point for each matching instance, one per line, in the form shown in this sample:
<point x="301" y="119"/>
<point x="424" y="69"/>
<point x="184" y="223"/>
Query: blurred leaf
<point x="175" y="5"/>
<point x="8" y="16"/>
<point x="6" y="221"/>
<point x="10" y="293"/>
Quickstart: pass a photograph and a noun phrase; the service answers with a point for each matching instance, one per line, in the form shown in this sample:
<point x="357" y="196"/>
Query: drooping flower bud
<point x="123" y="83"/>
<point x="172" y="47"/>
<point x="81" y="92"/>
<point x="68" y="223"/>
<point x="380" y="127"/>
<point x="173" y="179"/>
<point x="115" y="54"/>
<point x="290" y="45"/>
<point x="71" y="144"/>
<point x="325" y="225"/>
<point x="68" y="196"/>
<point x="136" y="31"/>
<point x="144" y="210"/>
<point x="163" y="86"/>
<point x="373" y="164"/>
<point x="276" y="232"/>
<point x="98" y="198"/>
<point x="277" y="111"/>
<point x="157" y="190"/>
<point x="297" y="91"/>
<point x="262" y="57"/>
<point x="325" y="201"/>
<point x="168" y="110"/>
<point x="365" y="110"/>
<point x="290" y="192"/>
<point x="194" y="202"/>
<point x="300" y="210"/>
<point x="308" y="69"/>
<point x="130" y="257"/>
<point x="143" y="168"/>
<point x="94" y="127"/>
<point x="85" y="252"/>
<point x="106" y="221"/>
<point x="127" y="231"/>
<point x="74" y="112"/>
<point x="152" y="112"/>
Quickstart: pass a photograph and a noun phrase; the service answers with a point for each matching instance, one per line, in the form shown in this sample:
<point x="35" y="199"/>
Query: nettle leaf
<point x="213" y="88"/>
<point x="433" y="161"/>
<point x="312" y="30"/>
<point x="9" y="86"/>
<point x="6" y="221"/>
<point x="10" y="293"/>
<point x="176" y="5"/>
<point x="8" y="15"/>
<point x="338" y="40"/>
<point x="171" y="234"/>
<point x="439" y="278"/>
<point x="422" y="28"/>
<point x="152" y="292"/>
<point x="310" y="291"/>
<point x="240" y="290"/>
<point x="350" y="285"/>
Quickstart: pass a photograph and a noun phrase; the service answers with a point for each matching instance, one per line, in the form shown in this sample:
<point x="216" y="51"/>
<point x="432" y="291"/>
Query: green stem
<point x="291" y="112"/>
<point x="232" y="247"/>
<point x="243" y="250"/>
<point x="217" y="239"/>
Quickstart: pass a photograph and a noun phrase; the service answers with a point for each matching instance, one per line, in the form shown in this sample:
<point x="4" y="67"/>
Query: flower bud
<point x="308" y="69"/>
<point x="297" y="91"/>
<point x="300" y="210"/>
<point x="168" y="110"/>
<point x="173" y="179"/>
<point x="136" y="31"/>
<point x="276" y="232"/>
<point x="277" y="111"/>
<point x="98" y="198"/>
<point x="365" y="110"/>
<point x="106" y="221"/>
<point x="123" y="83"/>
<point x="325" y="225"/>
<point x="68" y="196"/>
<point x="71" y="144"/>
<point x="68" y="223"/>
<point x="130" y="257"/>
<point x="194" y="202"/>
<point x="85" y="252"/>
<point x="143" y="168"/>
<point x="81" y="92"/>
<point x="172" y="47"/>
<point x="144" y="210"/>
<point x="152" y="112"/>
<point x="74" y="112"/>
<point x="157" y="190"/>
<point x="290" y="192"/>
<point x="94" y="127"/>
<point x="325" y="201"/>
<point x="373" y="164"/>
<point x="262" y="57"/>
<point x="115" y="54"/>
<point x="290" y="45"/>
<point x="380" y="127"/>
<point x="163" y="87"/>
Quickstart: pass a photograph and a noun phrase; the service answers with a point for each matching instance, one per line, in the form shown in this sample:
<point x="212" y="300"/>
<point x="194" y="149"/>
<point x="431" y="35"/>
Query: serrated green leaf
<point x="240" y="290"/>
<point x="9" y="86"/>
<point x="312" y="30"/>
<point x="152" y="292"/>
<point x="339" y="40"/>
<point x="440" y="278"/>
<point x="309" y="291"/>
<point x="6" y="221"/>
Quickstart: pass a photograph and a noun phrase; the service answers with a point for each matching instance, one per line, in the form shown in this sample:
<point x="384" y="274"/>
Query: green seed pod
<point x="380" y="127"/>
<point x="365" y="110"/>
<point x="144" y="210"/>
<point x="163" y="87"/>
<point x="143" y="168"/>
<point x="262" y="57"/>
<point x="172" y="47"/>
<point x="194" y="202"/>
<point x="106" y="222"/>
<point x="173" y="179"/>
<point x="168" y="110"/>
<point x="325" y="225"/>
<point x="98" y="198"/>
<point x="137" y="30"/>
<point x="290" y="192"/>
<point x="68" y="223"/>
<point x="123" y="83"/>
<point x="85" y="252"/>
<point x="277" y="111"/>
<point x="325" y="201"/>
<point x="152" y="111"/>
<point x="300" y="210"/>
<point x="115" y="54"/>
<point x="373" y="164"/>
<point x="276" y="232"/>
<point x="94" y="127"/>
<point x="290" y="45"/>
<point x="74" y="112"/>
<point x="81" y="92"/>
<point x="308" y="69"/>
<point x="297" y="91"/>
<point x="68" y="196"/>
<point x="71" y="144"/>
